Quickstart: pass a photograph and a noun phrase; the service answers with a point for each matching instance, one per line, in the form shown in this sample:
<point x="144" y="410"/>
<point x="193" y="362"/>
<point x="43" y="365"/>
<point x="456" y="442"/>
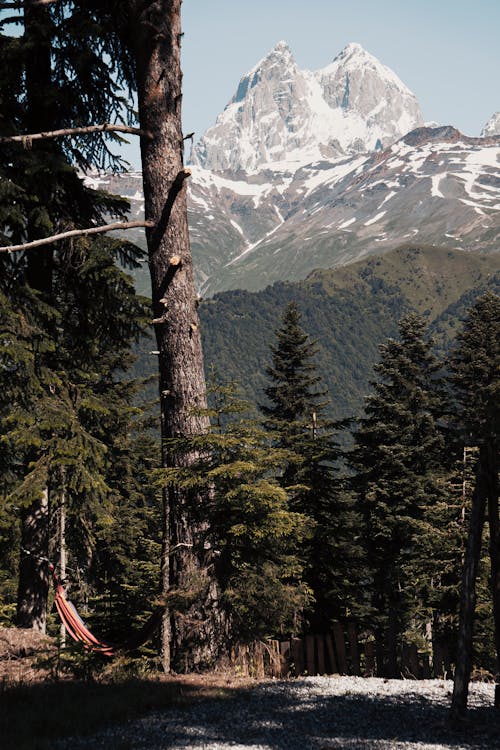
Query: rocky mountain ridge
<point x="282" y="117"/>
<point x="492" y="127"/>
<point x="315" y="195"/>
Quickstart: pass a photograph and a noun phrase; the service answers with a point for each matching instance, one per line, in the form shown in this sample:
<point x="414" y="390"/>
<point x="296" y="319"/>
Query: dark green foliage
<point x="397" y="459"/>
<point x="294" y="418"/>
<point x="238" y="329"/>
<point x="475" y="365"/>
<point x="348" y="312"/>
<point x="253" y="531"/>
<point x="475" y="380"/>
<point x="68" y="421"/>
<point x="68" y="415"/>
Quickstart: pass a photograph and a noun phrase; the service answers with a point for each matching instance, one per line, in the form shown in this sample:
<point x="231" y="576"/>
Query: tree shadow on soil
<point x="193" y="714"/>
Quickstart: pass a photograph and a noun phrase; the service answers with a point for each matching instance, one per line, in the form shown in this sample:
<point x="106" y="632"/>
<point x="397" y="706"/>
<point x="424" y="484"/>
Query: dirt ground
<point x="25" y="657"/>
<point x="21" y="651"/>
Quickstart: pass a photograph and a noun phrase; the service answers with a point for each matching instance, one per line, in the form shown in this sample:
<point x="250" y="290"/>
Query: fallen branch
<point x="76" y="233"/>
<point x="105" y="128"/>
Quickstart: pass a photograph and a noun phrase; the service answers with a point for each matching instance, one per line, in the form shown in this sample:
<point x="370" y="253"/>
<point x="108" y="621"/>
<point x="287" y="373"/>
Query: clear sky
<point x="446" y="51"/>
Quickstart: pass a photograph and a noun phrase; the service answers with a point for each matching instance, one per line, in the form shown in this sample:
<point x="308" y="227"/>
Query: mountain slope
<point x="434" y="186"/>
<point x="492" y="127"/>
<point x="350" y="311"/>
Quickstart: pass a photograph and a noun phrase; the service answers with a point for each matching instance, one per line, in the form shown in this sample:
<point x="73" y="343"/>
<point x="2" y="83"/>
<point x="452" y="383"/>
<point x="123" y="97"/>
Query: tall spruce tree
<point x="142" y="42"/>
<point x="294" y="418"/>
<point x="40" y="192"/>
<point x="66" y="410"/>
<point x="247" y="520"/>
<point x="396" y="455"/>
<point x="475" y="366"/>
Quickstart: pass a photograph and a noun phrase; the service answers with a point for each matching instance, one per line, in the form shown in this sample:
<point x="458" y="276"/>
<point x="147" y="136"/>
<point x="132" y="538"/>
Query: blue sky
<point x="446" y="51"/>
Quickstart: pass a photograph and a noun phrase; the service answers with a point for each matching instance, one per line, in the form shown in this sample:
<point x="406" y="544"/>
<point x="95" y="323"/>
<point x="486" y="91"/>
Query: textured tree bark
<point x="493" y="520"/>
<point x="191" y="639"/>
<point x="33" y="586"/>
<point x="468" y="603"/>
<point x="33" y="573"/>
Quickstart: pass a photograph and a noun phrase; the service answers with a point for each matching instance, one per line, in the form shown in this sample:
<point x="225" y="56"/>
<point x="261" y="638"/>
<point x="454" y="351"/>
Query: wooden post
<point x="275" y="658"/>
<point x="310" y="661"/>
<point x="259" y="661"/>
<point x="284" y="658"/>
<point x="331" y="654"/>
<point x="468" y="603"/>
<point x="338" y="635"/>
<point x="352" y="634"/>
<point x="320" y="650"/>
<point x="62" y="549"/>
<point x="297" y="648"/>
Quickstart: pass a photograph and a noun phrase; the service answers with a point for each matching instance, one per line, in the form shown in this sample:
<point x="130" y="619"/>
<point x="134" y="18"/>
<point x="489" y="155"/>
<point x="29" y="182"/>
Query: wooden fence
<point x="341" y="651"/>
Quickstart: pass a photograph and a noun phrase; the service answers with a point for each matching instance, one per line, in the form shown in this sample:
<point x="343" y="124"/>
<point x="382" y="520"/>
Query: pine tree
<point x="40" y="191"/>
<point x="475" y="366"/>
<point x="253" y="531"/>
<point x="396" y="454"/>
<point x="294" y="418"/>
<point x="142" y="43"/>
<point x="65" y="408"/>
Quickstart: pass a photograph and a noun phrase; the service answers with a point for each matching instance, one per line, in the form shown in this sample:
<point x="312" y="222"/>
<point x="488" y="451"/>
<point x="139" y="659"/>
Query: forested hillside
<point x="350" y="311"/>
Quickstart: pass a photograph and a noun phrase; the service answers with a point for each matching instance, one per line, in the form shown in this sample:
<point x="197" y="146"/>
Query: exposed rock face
<point x="282" y="117"/>
<point x="316" y="170"/>
<point x="433" y="186"/>
<point x="492" y="127"/>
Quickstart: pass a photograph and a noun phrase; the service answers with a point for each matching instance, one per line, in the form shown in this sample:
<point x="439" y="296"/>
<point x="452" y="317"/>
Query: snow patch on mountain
<point x="492" y="127"/>
<point x="281" y="117"/>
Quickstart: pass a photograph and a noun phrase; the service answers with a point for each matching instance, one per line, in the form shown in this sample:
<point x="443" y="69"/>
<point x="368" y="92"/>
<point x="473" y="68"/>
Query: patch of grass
<point x="33" y="716"/>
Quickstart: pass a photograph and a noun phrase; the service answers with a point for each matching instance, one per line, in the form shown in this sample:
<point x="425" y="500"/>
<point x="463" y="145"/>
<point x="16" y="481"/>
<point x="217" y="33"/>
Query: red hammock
<point x="80" y="632"/>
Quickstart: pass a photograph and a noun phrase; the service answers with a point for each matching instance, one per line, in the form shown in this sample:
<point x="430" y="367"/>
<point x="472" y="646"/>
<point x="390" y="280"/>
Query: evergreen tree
<point x="66" y="411"/>
<point x="293" y="416"/>
<point x="254" y="532"/>
<point x="397" y="452"/>
<point x="475" y="368"/>
<point x="40" y="192"/>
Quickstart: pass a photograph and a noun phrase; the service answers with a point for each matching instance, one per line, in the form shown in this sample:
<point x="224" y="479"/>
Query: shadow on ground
<point x="296" y="716"/>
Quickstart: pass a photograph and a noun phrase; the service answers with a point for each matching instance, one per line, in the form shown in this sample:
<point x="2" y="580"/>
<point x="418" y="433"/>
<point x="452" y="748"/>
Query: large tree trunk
<point x="33" y="574"/>
<point x="493" y="520"/>
<point x="468" y="603"/>
<point x="191" y="639"/>
<point x="33" y="586"/>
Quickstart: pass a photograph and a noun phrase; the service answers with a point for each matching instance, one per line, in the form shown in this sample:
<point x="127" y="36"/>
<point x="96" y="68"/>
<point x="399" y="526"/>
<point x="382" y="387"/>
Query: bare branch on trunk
<point x="103" y="128"/>
<point x="76" y="233"/>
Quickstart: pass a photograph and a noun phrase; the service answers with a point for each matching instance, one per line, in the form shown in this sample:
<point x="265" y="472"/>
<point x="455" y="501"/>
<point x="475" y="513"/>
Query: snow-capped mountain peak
<point x="492" y="127"/>
<point x="282" y="118"/>
<point x="279" y="57"/>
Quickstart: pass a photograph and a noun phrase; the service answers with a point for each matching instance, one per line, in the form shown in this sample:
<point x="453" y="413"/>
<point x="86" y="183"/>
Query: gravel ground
<point x="315" y="713"/>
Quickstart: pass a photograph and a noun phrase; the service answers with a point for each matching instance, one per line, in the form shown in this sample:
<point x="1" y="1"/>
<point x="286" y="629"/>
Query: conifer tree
<point x="397" y="452"/>
<point x="294" y="418"/>
<point x="65" y="409"/>
<point x="475" y="368"/>
<point x="40" y="191"/>
<point x="254" y="532"/>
